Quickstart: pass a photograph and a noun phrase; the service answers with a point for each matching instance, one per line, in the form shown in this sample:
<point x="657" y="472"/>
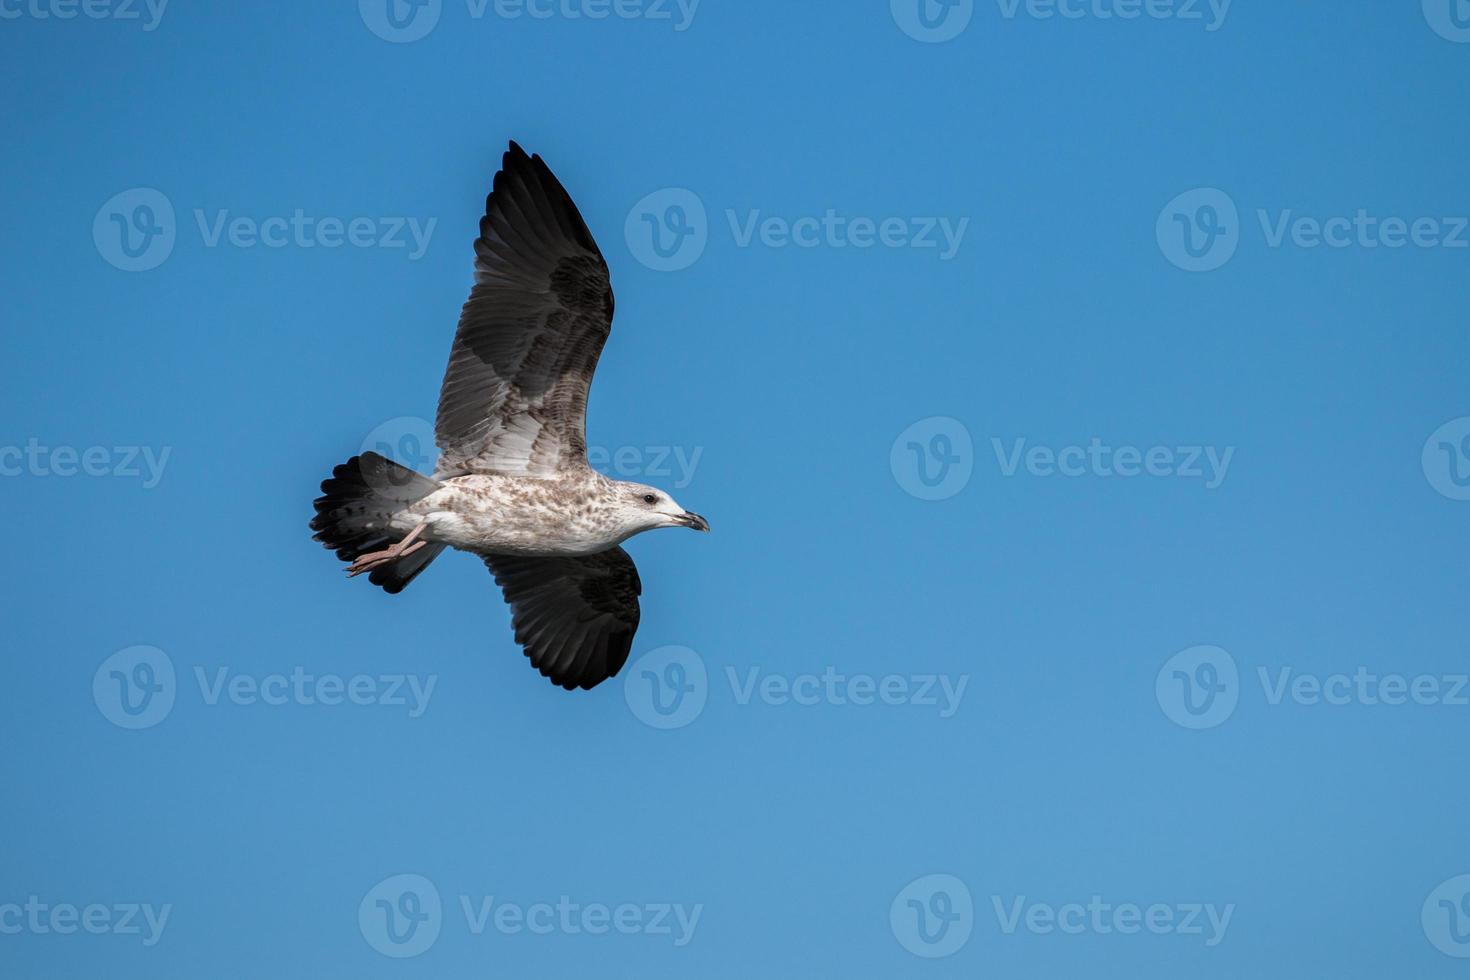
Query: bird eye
<point x="649" y="498"/>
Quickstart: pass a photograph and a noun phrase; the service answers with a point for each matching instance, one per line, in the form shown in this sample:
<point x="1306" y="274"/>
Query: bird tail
<point x="354" y="515"/>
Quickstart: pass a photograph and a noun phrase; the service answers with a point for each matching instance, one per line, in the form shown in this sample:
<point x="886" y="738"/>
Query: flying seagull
<point x="512" y="484"/>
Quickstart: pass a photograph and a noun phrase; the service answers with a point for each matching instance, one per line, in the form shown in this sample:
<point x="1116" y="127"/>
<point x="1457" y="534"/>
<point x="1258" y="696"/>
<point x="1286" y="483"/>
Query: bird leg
<point x="404" y="548"/>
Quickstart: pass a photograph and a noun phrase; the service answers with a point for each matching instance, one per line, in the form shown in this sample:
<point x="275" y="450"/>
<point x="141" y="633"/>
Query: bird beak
<point x="692" y="520"/>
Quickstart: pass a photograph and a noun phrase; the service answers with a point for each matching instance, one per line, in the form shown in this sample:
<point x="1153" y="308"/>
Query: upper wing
<point x="514" y="398"/>
<point x="575" y="617"/>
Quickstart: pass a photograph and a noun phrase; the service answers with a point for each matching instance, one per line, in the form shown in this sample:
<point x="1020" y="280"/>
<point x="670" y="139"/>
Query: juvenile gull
<point x="512" y="484"/>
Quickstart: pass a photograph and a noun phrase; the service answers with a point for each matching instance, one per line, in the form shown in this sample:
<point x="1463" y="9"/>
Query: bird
<point x="512" y="484"/>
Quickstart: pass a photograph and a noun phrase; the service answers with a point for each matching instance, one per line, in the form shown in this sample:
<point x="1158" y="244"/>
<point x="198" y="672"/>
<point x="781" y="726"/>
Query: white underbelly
<point x="507" y="534"/>
<point x="492" y="515"/>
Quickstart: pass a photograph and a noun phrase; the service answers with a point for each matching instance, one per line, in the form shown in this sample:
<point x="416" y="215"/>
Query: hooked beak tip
<point x="694" y="521"/>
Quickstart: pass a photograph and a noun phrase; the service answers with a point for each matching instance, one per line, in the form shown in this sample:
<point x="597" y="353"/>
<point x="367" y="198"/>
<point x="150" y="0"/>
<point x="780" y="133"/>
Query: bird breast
<point x="505" y="515"/>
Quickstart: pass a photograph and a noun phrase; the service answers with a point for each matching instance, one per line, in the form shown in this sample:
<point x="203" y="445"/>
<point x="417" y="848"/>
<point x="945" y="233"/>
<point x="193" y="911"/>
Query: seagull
<point x="512" y="484"/>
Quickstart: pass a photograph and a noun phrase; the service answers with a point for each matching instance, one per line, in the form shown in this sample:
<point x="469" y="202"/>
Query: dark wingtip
<point x="533" y="174"/>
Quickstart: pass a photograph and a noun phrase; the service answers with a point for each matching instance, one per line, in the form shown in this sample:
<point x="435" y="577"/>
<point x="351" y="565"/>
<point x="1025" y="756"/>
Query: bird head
<point x="643" y="508"/>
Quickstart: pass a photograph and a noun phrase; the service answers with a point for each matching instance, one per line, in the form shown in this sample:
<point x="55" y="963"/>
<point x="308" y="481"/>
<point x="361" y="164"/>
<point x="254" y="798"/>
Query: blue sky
<point x="1077" y="393"/>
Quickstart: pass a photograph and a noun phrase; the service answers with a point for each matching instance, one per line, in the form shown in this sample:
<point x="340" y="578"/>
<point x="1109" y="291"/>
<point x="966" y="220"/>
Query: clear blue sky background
<point x="793" y="370"/>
